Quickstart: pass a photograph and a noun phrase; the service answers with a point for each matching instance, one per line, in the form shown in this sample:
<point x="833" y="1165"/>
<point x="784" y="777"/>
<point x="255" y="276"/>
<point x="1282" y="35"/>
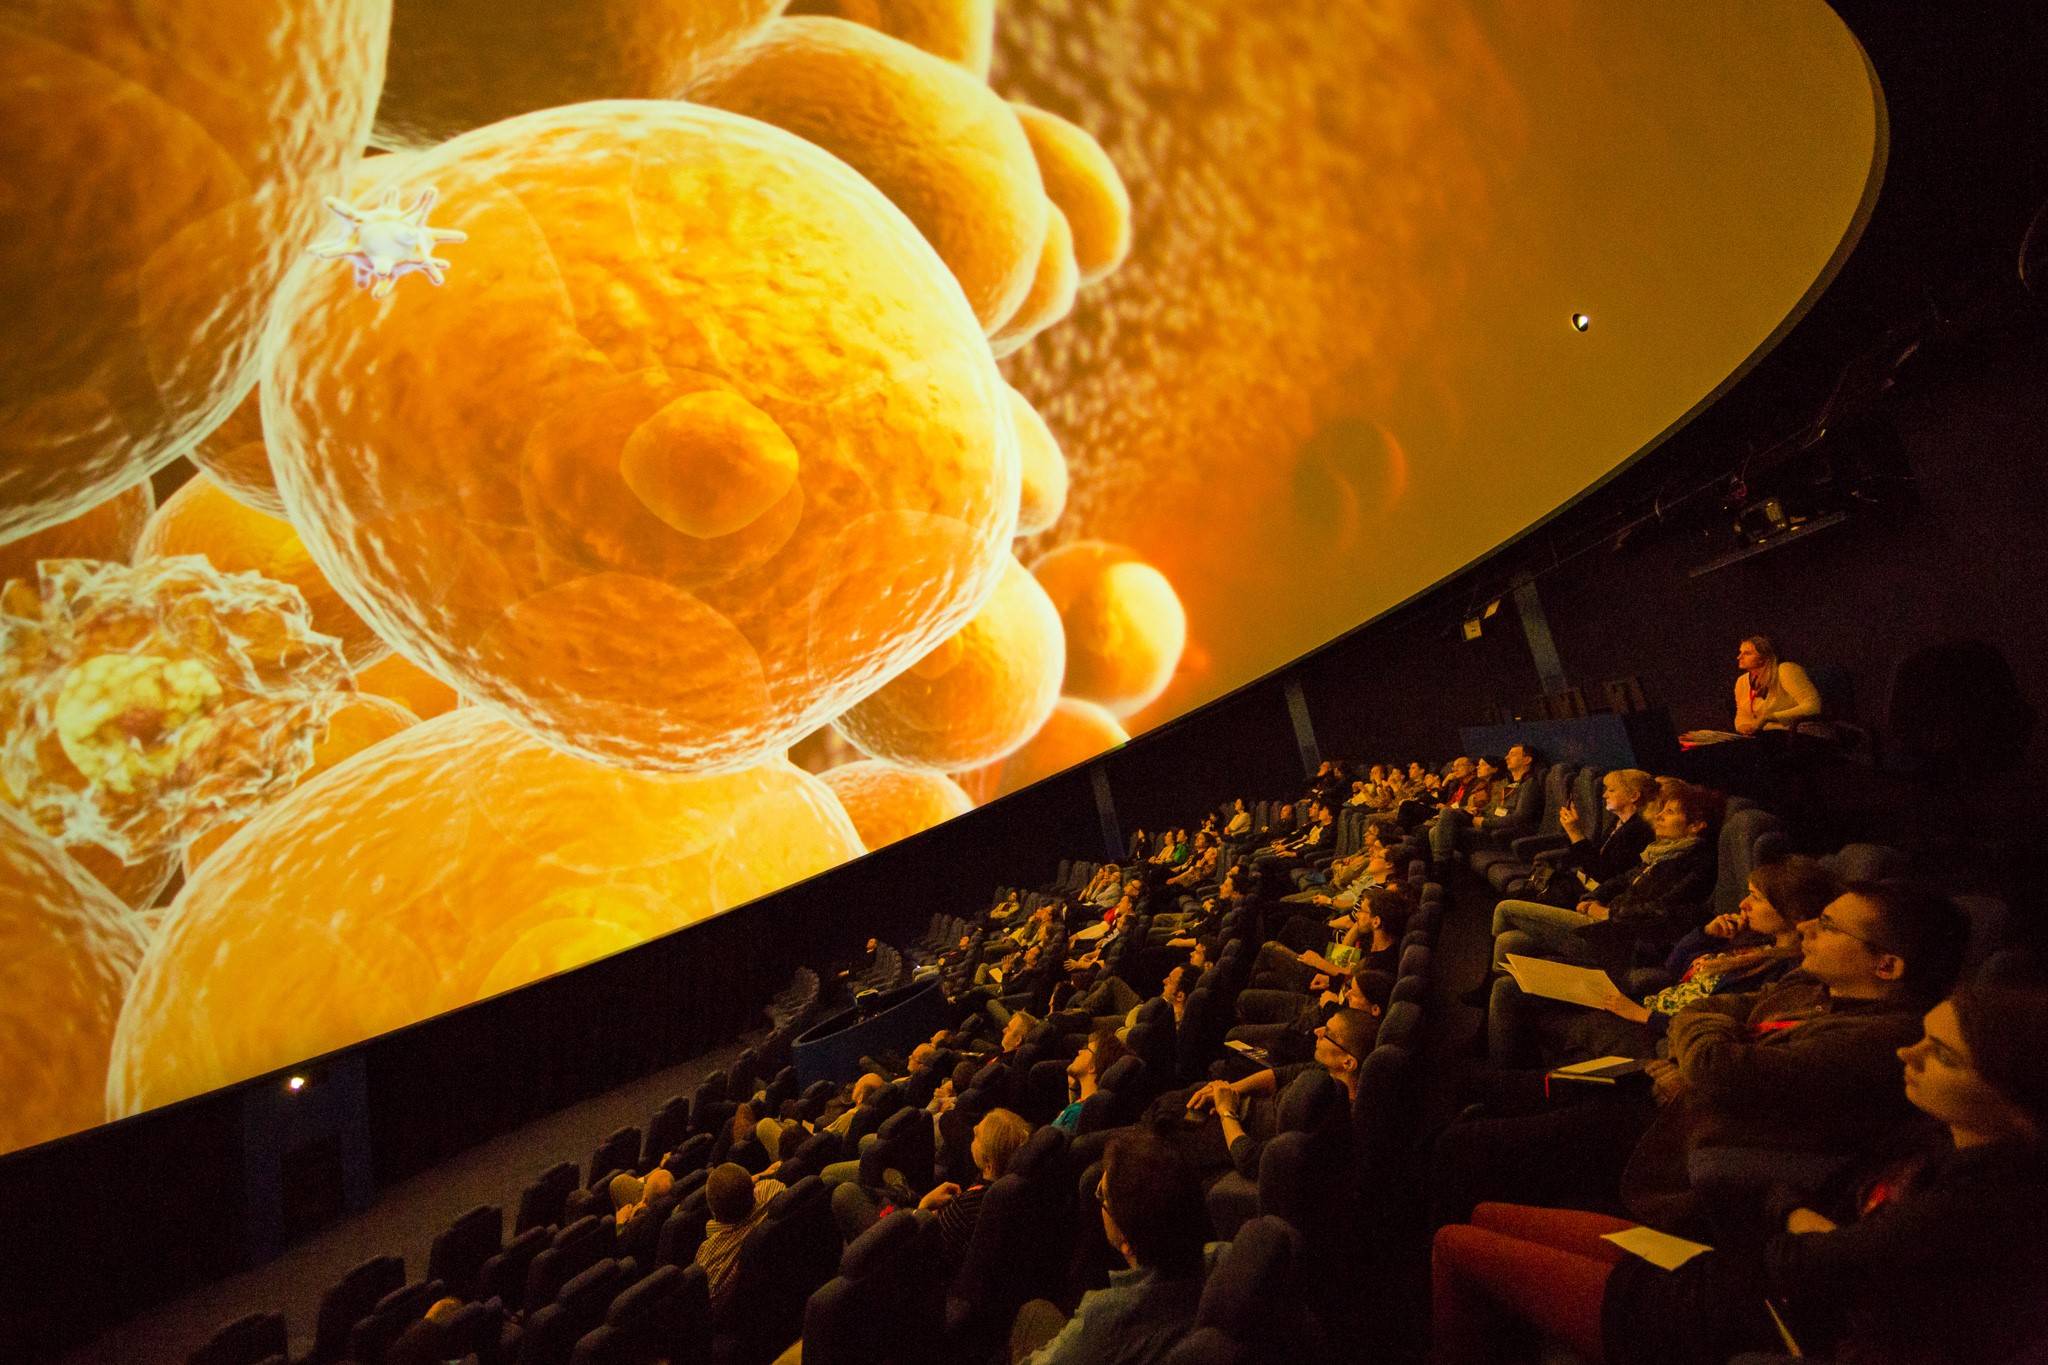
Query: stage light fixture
<point x="1580" y="322"/>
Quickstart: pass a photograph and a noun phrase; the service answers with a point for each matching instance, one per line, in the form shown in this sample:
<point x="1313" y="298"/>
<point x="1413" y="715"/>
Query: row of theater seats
<point x="569" y="1285"/>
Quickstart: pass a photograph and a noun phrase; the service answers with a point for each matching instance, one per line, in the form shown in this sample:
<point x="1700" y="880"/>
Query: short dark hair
<point x="1106" y="1047"/>
<point x="1156" y="1202"/>
<point x="1393" y="909"/>
<point x="1702" y="805"/>
<point x="729" y="1193"/>
<point x="2005" y="1026"/>
<point x="1921" y="925"/>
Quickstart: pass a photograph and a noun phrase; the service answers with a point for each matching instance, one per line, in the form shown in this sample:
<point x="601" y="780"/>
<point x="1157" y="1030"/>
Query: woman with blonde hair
<point x="1770" y="693"/>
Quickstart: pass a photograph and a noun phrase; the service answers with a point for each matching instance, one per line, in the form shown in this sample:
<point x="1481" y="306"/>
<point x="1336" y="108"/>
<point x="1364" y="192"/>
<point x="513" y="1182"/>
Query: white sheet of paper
<point x="1576" y="1067"/>
<point x="1660" y="1249"/>
<point x="1560" y="980"/>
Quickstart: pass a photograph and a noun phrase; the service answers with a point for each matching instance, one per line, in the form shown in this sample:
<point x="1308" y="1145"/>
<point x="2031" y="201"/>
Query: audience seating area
<point x="1248" y="1009"/>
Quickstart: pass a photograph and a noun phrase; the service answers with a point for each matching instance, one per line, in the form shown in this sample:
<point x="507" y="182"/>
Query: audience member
<point x="736" y="1201"/>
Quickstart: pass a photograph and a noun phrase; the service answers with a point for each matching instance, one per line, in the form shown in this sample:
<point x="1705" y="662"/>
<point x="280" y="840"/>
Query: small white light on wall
<point x="295" y="1084"/>
<point x="1580" y="322"/>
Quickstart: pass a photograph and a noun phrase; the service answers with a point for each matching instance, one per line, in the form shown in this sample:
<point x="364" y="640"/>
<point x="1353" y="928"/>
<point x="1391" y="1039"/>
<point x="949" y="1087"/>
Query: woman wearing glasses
<point x="1930" y="1250"/>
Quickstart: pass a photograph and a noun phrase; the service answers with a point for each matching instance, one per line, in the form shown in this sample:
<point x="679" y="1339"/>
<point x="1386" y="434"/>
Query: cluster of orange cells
<point x="478" y="643"/>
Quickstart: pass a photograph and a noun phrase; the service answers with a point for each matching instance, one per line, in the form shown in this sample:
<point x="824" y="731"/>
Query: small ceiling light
<point x="295" y="1084"/>
<point x="1580" y="322"/>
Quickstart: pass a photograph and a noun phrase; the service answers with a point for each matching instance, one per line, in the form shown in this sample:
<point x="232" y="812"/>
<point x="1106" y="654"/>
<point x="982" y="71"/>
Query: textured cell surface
<point x="361" y="722"/>
<point x="887" y="802"/>
<point x="460" y="64"/>
<point x="68" y="951"/>
<point x="137" y="885"/>
<point x="931" y="137"/>
<point x="1124" y="624"/>
<point x="1044" y="494"/>
<point x="397" y="678"/>
<point x="139" y="704"/>
<point x="961" y="31"/>
<point x="980" y="694"/>
<point x="700" y="446"/>
<point x="201" y="519"/>
<point x="455" y="860"/>
<point x="1052" y="292"/>
<point x="1075" y="732"/>
<point x="106" y="530"/>
<point x="1080" y="178"/>
<point x="234" y="455"/>
<point x="165" y="165"/>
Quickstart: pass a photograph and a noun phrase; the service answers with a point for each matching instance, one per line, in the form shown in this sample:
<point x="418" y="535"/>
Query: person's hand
<point x="1229" y="1104"/>
<point x="1205" y="1098"/>
<point x="1568" y="818"/>
<point x="1321" y="900"/>
<point x="1665" y="1082"/>
<point x="1319" y="982"/>
<point x="1181" y="942"/>
<point x="939" y="1196"/>
<point x="1621" y="1006"/>
<point x="1806" y="1220"/>
<point x="1595" y="911"/>
<point x="1725" y="926"/>
<point x="1744" y="725"/>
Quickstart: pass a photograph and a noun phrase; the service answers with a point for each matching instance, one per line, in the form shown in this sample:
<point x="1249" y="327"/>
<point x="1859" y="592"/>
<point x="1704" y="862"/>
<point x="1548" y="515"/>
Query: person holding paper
<point x="1930" y="1249"/>
<point x="1764" y="943"/>
<point x="1800" y="1069"/>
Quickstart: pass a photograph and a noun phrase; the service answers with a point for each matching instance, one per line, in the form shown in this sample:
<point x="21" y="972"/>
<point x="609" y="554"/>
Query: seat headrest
<point x="879" y="1244"/>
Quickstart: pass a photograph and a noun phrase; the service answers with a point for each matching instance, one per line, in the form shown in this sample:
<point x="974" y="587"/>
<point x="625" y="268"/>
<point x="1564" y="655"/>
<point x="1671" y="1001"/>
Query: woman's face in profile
<point x="1746" y="657"/>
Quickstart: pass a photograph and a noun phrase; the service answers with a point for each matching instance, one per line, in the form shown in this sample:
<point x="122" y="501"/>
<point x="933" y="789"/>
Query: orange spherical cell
<point x="106" y="530"/>
<point x="1052" y="289"/>
<point x="1075" y="732"/>
<point x="234" y="454"/>
<point x="360" y="723"/>
<point x="887" y="802"/>
<point x="165" y="166"/>
<point x="399" y="679"/>
<point x="1081" y="179"/>
<point x="931" y="137"/>
<point x="68" y="951"/>
<point x="698" y="445"/>
<point x="201" y="519"/>
<point x="1045" y="469"/>
<point x="961" y="31"/>
<point x="1124" y="623"/>
<point x="979" y="695"/>
<point x="455" y="860"/>
<point x="460" y="64"/>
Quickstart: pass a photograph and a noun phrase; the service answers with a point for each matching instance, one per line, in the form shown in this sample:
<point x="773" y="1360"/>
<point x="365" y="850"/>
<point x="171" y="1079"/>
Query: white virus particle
<point x="387" y="242"/>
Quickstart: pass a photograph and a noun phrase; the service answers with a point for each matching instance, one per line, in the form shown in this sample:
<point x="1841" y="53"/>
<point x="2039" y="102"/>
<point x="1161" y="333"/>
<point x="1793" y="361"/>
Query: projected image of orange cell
<point x="397" y="678"/>
<point x="106" y="530"/>
<point x="358" y="724"/>
<point x="456" y="859"/>
<point x="234" y="454"/>
<point x="933" y="138"/>
<point x="980" y="694"/>
<point x="165" y="164"/>
<point x="138" y="704"/>
<point x="137" y="885"/>
<point x="698" y="445"/>
<point x="1075" y="732"/>
<point x="68" y="951"/>
<point x="887" y="802"/>
<point x="1044" y="494"/>
<point x="961" y="31"/>
<point x="201" y="519"/>
<point x="1125" y="627"/>
<point x="460" y="64"/>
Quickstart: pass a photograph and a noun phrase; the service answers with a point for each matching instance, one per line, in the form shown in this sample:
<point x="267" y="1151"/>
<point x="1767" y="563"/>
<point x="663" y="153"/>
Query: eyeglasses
<point x="1323" y="1031"/>
<point x="1823" y="922"/>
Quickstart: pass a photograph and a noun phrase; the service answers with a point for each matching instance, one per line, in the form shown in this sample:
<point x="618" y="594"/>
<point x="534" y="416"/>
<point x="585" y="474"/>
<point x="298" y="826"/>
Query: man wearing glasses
<point x="1788" y="1080"/>
<point x="1247" y="1110"/>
